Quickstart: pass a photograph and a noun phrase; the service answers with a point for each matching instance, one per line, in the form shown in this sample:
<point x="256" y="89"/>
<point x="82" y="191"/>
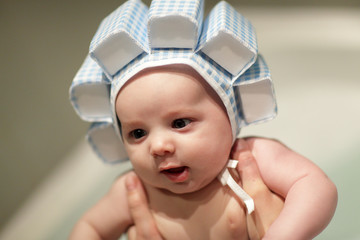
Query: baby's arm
<point x="310" y="196"/>
<point x="109" y="218"/>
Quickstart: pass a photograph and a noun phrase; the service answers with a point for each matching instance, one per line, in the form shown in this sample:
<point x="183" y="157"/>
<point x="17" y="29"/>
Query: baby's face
<point x="175" y="129"/>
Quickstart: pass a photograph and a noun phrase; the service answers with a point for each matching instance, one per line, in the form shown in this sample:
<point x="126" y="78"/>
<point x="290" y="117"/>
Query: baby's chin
<point x="190" y="188"/>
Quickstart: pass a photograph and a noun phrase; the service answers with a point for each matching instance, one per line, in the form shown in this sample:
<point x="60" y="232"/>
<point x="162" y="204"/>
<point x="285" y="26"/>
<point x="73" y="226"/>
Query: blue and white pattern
<point x="128" y="21"/>
<point x="224" y="17"/>
<point x="223" y="26"/>
<point x="175" y="23"/>
<point x="191" y="9"/>
<point x="89" y="72"/>
<point x="230" y="85"/>
<point x="258" y="71"/>
<point x="256" y="80"/>
<point x="105" y="142"/>
<point x="129" y="17"/>
<point x="90" y="86"/>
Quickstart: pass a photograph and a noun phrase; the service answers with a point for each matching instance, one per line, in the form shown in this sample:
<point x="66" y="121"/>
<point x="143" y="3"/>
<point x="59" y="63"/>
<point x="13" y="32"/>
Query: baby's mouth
<point x="177" y="174"/>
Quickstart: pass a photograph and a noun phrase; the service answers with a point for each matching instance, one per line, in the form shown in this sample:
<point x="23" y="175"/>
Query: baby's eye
<point x="138" y="133"/>
<point x="180" y="123"/>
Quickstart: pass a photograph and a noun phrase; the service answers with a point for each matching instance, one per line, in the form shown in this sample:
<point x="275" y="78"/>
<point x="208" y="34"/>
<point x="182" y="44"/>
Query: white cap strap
<point x="226" y="179"/>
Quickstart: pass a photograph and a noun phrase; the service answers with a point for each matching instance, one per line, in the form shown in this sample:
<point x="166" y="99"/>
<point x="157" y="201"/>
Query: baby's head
<point x="217" y="55"/>
<point x="175" y="128"/>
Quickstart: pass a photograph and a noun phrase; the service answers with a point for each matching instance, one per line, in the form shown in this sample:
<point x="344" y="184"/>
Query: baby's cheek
<point x="137" y="161"/>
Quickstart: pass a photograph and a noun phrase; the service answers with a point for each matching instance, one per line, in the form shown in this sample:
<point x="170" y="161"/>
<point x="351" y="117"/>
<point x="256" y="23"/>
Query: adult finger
<point x="145" y="227"/>
<point x="247" y="167"/>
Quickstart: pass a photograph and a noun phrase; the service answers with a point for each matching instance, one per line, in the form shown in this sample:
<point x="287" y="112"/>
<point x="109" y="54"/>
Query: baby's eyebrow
<point x="181" y="111"/>
<point x="131" y="124"/>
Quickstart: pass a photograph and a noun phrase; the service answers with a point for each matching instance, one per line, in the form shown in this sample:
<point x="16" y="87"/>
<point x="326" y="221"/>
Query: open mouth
<point x="178" y="174"/>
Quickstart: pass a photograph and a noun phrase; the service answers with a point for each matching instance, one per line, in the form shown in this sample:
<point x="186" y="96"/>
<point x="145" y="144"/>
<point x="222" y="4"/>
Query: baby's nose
<point x="161" y="145"/>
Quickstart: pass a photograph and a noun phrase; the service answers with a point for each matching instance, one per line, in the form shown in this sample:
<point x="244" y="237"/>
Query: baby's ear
<point x="229" y="39"/>
<point x="254" y="92"/>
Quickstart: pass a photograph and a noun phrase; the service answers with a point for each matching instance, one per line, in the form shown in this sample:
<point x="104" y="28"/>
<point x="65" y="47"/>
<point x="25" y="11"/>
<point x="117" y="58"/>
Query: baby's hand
<point x="144" y="227"/>
<point x="268" y="205"/>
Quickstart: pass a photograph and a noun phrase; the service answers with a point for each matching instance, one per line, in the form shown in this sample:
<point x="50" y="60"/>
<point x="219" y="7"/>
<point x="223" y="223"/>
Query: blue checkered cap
<point x="175" y="23"/>
<point x="121" y="37"/>
<point x="229" y="39"/>
<point x="90" y="92"/>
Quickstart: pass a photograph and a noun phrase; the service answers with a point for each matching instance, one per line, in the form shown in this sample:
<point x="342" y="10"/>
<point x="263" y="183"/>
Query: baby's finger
<point x="247" y="166"/>
<point x="145" y="227"/>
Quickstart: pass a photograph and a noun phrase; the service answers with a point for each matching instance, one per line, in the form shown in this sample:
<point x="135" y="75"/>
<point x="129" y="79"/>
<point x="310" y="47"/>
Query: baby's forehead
<point x="176" y="80"/>
<point x="168" y="72"/>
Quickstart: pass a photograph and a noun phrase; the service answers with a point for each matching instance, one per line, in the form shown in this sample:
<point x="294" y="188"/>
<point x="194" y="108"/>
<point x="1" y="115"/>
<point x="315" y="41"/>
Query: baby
<point x="177" y="113"/>
<point x="178" y="138"/>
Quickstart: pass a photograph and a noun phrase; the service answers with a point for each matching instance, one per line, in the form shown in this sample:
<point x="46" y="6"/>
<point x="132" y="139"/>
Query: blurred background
<point x="48" y="174"/>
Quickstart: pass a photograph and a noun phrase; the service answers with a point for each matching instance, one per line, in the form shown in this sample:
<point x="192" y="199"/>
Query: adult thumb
<point x="145" y="227"/>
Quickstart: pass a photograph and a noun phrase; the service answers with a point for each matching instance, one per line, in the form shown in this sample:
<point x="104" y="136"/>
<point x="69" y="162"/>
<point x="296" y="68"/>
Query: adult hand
<point x="268" y="205"/>
<point x="144" y="227"/>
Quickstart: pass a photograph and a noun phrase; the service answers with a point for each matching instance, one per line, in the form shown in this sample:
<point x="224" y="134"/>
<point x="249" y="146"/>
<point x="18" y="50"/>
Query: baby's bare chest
<point x="220" y="217"/>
